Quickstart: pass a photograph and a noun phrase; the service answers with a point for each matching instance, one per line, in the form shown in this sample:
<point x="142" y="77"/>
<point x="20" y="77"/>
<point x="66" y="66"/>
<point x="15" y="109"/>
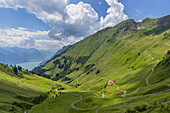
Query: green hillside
<point x="112" y="53"/>
<point x="155" y="97"/>
<point x="121" y="69"/>
<point x="20" y="90"/>
<point x="134" y="55"/>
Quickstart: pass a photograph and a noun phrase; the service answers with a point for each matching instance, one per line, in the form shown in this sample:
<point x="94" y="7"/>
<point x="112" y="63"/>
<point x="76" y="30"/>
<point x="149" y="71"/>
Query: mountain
<point x="15" y="55"/>
<point x="58" y="52"/>
<point x="120" y="69"/>
<point x="112" y="52"/>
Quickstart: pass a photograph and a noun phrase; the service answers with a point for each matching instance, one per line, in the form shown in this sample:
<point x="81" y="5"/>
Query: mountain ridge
<point x="111" y="53"/>
<point x="15" y="55"/>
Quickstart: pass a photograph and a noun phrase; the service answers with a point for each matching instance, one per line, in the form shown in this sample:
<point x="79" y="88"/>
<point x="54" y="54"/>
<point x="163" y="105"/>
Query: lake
<point x="29" y="65"/>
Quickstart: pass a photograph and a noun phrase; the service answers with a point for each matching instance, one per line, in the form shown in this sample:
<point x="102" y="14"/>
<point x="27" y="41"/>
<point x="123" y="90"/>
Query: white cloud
<point x="80" y="21"/>
<point x="21" y="32"/>
<point x="115" y="14"/>
<point x="47" y="44"/>
<point x="139" y="12"/>
<point x="74" y="20"/>
<point x="22" y="38"/>
<point x="21" y="28"/>
<point x="50" y="11"/>
<point x="139" y="20"/>
<point x="19" y="37"/>
<point x="100" y="3"/>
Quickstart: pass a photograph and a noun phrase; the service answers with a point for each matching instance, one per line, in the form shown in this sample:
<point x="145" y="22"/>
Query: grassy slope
<point x="10" y="100"/>
<point x="20" y="92"/>
<point x="112" y="53"/>
<point x="154" y="104"/>
<point x="62" y="104"/>
<point x="125" y="54"/>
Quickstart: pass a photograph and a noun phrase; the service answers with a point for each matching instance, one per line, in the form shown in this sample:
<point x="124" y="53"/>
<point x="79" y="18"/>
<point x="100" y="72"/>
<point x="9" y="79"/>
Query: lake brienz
<point x="29" y="65"/>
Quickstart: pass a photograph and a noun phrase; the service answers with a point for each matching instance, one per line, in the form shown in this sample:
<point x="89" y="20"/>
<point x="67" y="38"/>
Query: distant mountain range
<point x="15" y="55"/>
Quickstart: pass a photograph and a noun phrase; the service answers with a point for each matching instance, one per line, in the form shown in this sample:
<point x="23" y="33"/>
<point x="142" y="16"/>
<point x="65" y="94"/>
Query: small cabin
<point x="111" y="81"/>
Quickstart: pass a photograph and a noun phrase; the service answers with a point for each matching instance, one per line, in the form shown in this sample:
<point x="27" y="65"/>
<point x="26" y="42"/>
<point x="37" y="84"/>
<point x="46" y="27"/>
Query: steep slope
<point x="20" y="89"/>
<point x="58" y="52"/>
<point x="154" y="99"/>
<point x="126" y="50"/>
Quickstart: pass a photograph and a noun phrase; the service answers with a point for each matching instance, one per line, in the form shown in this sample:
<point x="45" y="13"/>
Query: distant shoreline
<point x="29" y="65"/>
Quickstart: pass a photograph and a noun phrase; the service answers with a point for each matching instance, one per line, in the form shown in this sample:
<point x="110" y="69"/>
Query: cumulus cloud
<point x="19" y="37"/>
<point x="51" y="11"/>
<point x="23" y="38"/>
<point x="73" y="20"/>
<point x="80" y="21"/>
<point x="47" y="44"/>
<point x="115" y="14"/>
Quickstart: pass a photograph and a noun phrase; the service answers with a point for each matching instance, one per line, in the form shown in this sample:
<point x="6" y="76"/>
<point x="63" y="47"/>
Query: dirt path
<point x="81" y="97"/>
<point x="72" y="105"/>
<point x="149" y="55"/>
<point x="121" y="90"/>
<point x="134" y="91"/>
<point x="167" y="44"/>
<point x="147" y="83"/>
<point x="96" y="110"/>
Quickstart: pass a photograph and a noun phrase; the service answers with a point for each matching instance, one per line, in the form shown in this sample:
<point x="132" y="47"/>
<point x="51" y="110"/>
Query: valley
<point x="120" y="69"/>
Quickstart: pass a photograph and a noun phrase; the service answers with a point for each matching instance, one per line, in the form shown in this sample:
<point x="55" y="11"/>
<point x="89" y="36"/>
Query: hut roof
<point x="111" y="81"/>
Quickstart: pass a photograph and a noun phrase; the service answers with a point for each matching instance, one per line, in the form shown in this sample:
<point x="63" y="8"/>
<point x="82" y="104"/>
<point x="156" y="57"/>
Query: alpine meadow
<point x="123" y="68"/>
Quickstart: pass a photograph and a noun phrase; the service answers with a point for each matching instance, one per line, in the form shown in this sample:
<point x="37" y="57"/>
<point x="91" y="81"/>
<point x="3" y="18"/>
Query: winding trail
<point x="72" y="105"/>
<point x="167" y="44"/>
<point x="134" y="91"/>
<point x="149" y="55"/>
<point x="96" y="110"/>
<point x="121" y="90"/>
<point x="81" y="97"/>
<point x="147" y="83"/>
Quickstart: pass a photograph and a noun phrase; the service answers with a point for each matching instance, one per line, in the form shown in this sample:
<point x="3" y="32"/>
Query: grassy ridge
<point x="20" y="90"/>
<point x="112" y="53"/>
<point x="128" y="53"/>
<point x="158" y="103"/>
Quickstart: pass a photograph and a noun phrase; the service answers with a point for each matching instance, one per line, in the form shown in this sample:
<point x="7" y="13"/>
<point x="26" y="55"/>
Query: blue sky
<point x="147" y="8"/>
<point x="51" y="25"/>
<point x="20" y="18"/>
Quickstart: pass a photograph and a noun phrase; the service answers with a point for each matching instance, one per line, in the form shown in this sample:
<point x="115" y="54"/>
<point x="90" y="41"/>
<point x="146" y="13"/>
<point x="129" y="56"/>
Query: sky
<point x="52" y="24"/>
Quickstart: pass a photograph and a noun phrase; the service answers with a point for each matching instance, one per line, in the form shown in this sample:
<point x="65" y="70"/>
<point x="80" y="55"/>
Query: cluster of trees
<point x="18" y="69"/>
<point x="14" y="70"/>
